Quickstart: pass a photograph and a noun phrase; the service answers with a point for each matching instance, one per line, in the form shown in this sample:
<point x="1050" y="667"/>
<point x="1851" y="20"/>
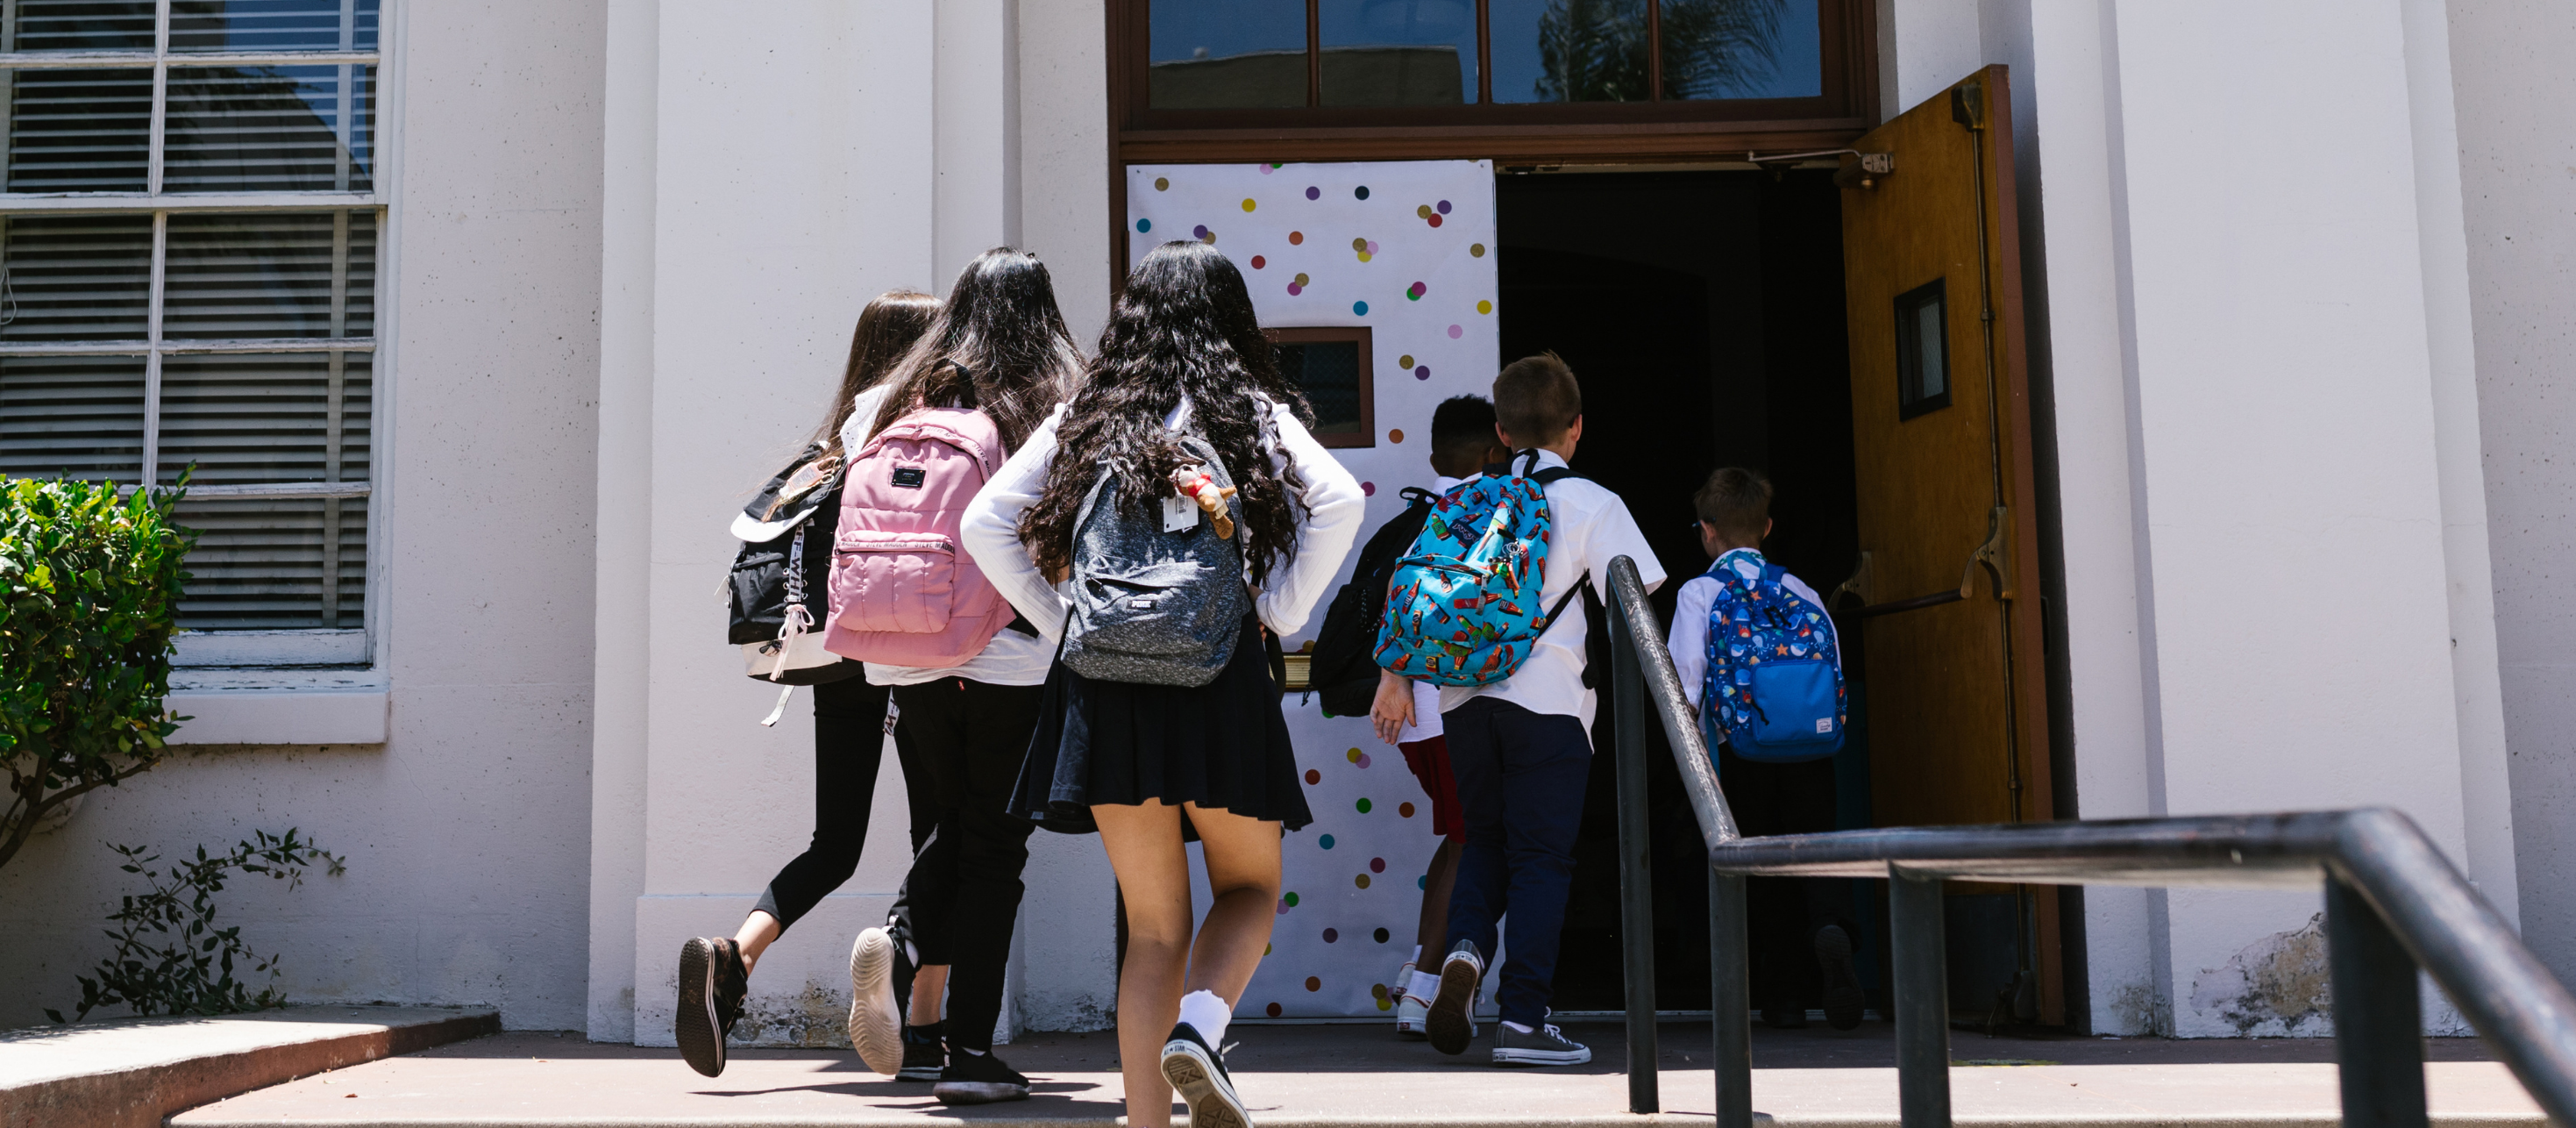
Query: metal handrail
<point x="2394" y="903"/>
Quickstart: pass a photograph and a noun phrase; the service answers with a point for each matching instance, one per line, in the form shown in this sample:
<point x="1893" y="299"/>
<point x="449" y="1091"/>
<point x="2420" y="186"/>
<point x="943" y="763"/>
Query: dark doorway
<point x="1703" y="312"/>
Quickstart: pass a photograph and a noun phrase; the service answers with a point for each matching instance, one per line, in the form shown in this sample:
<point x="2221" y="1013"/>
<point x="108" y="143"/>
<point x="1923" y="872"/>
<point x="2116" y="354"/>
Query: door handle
<point x="1988" y="555"/>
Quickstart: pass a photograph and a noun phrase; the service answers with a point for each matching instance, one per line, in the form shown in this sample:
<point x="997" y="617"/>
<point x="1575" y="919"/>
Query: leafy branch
<point x="170" y="956"/>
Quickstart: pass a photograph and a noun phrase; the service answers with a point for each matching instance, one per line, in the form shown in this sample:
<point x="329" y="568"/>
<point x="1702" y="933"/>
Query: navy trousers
<point x="1520" y="778"/>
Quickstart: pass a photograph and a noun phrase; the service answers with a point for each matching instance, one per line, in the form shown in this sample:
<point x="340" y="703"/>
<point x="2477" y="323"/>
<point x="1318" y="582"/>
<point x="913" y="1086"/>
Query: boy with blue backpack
<point x="1485" y="606"/>
<point x="1758" y="656"/>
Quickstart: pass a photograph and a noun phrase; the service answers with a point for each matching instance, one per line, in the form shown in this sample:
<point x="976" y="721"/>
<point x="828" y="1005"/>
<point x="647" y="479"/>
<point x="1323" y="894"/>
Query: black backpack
<point x="1342" y="670"/>
<point x="800" y="509"/>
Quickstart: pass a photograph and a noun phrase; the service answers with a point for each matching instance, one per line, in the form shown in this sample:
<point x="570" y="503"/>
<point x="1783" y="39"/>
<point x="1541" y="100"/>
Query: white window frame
<point x="326" y="649"/>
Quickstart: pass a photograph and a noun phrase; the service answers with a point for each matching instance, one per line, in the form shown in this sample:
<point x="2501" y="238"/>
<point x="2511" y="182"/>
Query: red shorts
<point x="1429" y="760"/>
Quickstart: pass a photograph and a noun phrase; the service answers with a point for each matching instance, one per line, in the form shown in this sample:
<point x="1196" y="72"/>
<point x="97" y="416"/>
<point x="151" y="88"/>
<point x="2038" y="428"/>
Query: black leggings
<point x="962" y="898"/>
<point x="849" y="743"/>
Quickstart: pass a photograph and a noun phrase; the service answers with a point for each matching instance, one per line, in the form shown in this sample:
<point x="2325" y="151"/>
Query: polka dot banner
<point x="1403" y="249"/>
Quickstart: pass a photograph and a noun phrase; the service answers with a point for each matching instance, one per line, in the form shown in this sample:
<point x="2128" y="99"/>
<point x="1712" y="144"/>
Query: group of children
<point x="982" y="464"/>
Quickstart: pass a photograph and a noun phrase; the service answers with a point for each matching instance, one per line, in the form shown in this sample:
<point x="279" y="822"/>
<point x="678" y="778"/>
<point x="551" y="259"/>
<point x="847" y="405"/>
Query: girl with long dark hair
<point x="849" y="730"/>
<point x="1000" y="348"/>
<point x="1146" y="764"/>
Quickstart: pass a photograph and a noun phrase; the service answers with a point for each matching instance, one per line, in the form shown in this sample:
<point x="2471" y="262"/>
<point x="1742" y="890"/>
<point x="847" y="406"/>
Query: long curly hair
<point x="1000" y="346"/>
<point x="1184" y="326"/>
<point x="887" y="329"/>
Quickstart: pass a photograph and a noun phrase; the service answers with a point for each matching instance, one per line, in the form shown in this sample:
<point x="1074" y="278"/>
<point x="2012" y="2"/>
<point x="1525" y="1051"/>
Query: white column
<point x="975" y="136"/>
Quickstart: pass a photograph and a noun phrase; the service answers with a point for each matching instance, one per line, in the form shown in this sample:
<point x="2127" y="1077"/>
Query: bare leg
<point x="758" y="931"/>
<point x="929" y="987"/>
<point x="1433" y="930"/>
<point x="1144" y="844"/>
<point x="1243" y="878"/>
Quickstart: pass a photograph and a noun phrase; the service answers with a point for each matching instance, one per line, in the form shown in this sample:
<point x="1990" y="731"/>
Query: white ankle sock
<point x="1424" y="986"/>
<point x="1208" y="1015"/>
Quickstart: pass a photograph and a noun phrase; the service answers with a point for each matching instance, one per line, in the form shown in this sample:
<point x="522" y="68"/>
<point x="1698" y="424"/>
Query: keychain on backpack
<point x="1195" y="484"/>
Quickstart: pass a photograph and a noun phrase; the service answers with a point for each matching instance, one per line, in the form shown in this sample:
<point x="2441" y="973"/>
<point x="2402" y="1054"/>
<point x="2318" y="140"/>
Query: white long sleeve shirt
<point x="1333" y="505"/>
<point x="1688" y="640"/>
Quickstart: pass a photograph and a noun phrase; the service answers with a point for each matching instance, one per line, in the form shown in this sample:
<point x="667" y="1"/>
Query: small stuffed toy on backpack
<point x="1773" y="689"/>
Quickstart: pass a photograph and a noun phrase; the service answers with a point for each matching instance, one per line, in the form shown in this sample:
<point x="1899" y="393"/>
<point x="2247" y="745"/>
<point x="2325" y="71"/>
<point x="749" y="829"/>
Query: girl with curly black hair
<point x="1147" y="765"/>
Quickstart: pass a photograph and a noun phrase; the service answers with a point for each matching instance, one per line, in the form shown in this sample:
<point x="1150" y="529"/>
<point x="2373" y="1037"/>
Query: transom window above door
<point x="189" y="221"/>
<point x="1192" y="72"/>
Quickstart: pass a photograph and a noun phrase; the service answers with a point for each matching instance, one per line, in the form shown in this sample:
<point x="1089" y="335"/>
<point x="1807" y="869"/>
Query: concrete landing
<point x="1312" y="1076"/>
<point x="130" y="1073"/>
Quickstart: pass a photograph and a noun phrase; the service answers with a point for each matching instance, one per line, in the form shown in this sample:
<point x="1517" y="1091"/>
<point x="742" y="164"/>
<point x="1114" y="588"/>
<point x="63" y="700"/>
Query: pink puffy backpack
<point x="904" y="592"/>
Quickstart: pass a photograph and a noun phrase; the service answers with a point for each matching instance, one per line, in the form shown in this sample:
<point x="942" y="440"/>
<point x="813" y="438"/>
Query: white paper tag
<point x="1179" y="514"/>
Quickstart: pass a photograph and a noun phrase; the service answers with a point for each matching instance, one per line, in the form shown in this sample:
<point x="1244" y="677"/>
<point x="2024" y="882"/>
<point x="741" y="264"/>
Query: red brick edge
<point x="144" y="1097"/>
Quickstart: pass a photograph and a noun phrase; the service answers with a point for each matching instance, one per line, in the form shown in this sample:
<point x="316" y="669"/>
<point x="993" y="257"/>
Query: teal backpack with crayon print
<point x="1463" y="605"/>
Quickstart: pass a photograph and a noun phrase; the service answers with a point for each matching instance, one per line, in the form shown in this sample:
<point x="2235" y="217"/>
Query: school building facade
<point x="2170" y="390"/>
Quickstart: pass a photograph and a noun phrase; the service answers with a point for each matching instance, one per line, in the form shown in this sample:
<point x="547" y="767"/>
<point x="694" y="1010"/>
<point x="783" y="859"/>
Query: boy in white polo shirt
<point x="1521" y="748"/>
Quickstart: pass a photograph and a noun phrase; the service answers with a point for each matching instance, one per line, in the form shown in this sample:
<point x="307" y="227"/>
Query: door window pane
<point x="80" y="130"/>
<point x="80" y="25"/>
<point x="1569" y="50"/>
<point x="244" y="419"/>
<point x="272" y="274"/>
<point x="1922" y="350"/>
<point x="270" y="129"/>
<point x="1741" y="49"/>
<point x="284" y="564"/>
<point x="1398" y="52"/>
<point x="1226" y="54"/>
<point x="72" y="417"/>
<point x="75" y="277"/>
<point x="1329" y="373"/>
<point x="268" y="25"/>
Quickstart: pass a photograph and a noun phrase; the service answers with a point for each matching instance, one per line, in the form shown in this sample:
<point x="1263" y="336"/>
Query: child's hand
<point x="1392" y="712"/>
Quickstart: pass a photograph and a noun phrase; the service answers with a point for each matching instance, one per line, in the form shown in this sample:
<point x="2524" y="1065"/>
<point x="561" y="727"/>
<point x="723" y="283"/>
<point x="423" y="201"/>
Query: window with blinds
<point x="188" y="233"/>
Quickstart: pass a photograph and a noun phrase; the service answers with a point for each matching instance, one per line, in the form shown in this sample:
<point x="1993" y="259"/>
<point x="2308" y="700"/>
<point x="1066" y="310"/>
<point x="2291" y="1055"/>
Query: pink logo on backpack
<point x="904" y="592"/>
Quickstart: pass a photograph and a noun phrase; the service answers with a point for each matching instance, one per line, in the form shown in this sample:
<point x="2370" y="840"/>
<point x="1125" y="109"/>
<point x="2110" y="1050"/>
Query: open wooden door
<point x="1941" y="431"/>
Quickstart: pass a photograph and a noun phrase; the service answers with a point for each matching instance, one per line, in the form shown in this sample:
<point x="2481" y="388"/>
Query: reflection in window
<point x="1569" y="50"/>
<point x="271" y="25"/>
<point x="1398" y="52"/>
<point x="78" y="25"/>
<point x="272" y="128"/>
<point x="1227" y="54"/>
<point x="1329" y="373"/>
<point x="1595" y="50"/>
<point x="1741" y="49"/>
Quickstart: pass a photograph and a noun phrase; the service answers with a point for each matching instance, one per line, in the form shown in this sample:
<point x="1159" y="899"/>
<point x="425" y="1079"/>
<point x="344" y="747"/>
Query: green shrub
<point x="170" y="958"/>
<point x="89" y="596"/>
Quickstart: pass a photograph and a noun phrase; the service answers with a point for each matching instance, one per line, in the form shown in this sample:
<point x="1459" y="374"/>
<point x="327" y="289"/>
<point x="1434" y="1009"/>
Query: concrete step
<point x="1318" y="1076"/>
<point x="131" y="1073"/>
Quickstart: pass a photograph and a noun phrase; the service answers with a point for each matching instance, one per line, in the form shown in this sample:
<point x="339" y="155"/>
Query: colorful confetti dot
<point x="1295" y="289"/>
<point x="1301" y="279"/>
<point x="1404" y="810"/>
<point x="1332" y="935"/>
<point x="1247" y="204"/>
<point x="1272" y="1010"/>
<point x="1365" y="256"/>
<point x="1377" y="865"/>
<point x="1372" y="246"/>
<point x="1326" y="842"/>
<point x="1314" y="984"/>
<point x="1405" y="361"/>
<point x="1265" y="950"/>
<point x="1476" y="249"/>
<point x="1422" y="373"/>
<point x="1313" y="192"/>
<point x="1353" y="755"/>
<point x="1377" y="990"/>
<point x="1296" y="237"/>
<point x="1283" y="906"/>
<point x="1162" y="184"/>
<point x="1313" y="776"/>
<point x="1386" y="1004"/>
<point x="1368" y="489"/>
<point x="1360" y="192"/>
<point x="1455" y="332"/>
<point x="1484" y="307"/>
<point x="1267" y="169"/>
<point x="1423" y="210"/>
<point x="1364" y="759"/>
<point x="1396" y="435"/>
<point x="1144" y="225"/>
<point x="1380" y="935"/>
<point x="1363" y="806"/>
<point x="1422" y="882"/>
<point x="1444" y="207"/>
<point x="1258" y="262"/>
<point x="1361" y="308"/>
<point x="1361" y="881"/>
<point x="1435" y="221"/>
<point x="1359" y="243"/>
<point x="1200" y="231"/>
<point x="1289" y="899"/>
<point x="1413" y="293"/>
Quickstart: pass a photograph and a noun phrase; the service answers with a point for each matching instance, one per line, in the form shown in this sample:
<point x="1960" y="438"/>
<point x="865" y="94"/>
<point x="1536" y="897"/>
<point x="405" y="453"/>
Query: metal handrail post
<point x="1918" y="953"/>
<point x="1636" y="878"/>
<point x="2378" y="1017"/>
<point x="1730" y="999"/>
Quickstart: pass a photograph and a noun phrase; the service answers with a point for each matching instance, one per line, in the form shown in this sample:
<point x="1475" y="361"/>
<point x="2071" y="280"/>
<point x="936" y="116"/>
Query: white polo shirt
<point x="1591" y="526"/>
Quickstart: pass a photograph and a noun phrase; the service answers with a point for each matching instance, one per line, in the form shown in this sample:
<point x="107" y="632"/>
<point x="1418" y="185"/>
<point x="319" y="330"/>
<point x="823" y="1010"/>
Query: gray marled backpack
<point x="1152" y="606"/>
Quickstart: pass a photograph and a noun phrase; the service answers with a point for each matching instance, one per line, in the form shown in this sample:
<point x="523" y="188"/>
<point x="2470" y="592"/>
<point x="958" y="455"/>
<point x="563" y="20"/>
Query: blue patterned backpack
<point x="1774" y="686"/>
<point x="1462" y="606"/>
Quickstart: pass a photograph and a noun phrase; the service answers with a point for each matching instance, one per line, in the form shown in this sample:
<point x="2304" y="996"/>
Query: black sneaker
<point x="712" y="985"/>
<point x="925" y="1052"/>
<point x="1197" y="1070"/>
<point x="1843" y="998"/>
<point x="1452" y="1021"/>
<point x="973" y="1078"/>
<point x="1544" y="1045"/>
<point x="877" y="964"/>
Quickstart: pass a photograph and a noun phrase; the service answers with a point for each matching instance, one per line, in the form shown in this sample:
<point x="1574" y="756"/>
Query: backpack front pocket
<point x="1795" y="705"/>
<point x="895" y="583"/>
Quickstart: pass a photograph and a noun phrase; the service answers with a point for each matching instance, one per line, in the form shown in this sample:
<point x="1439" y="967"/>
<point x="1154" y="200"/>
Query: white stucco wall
<point x="467" y="831"/>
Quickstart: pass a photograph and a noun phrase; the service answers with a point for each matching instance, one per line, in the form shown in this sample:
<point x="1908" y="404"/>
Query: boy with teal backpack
<point x="1485" y="606"/>
<point x="1759" y="657"/>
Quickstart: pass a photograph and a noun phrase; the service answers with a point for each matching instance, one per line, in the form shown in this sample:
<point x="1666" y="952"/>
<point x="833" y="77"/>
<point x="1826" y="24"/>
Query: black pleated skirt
<point x="1223" y="744"/>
